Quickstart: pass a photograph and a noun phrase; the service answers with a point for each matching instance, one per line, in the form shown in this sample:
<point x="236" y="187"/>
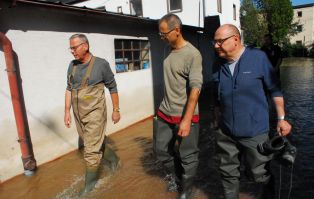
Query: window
<point x="299" y="13"/>
<point x="299" y="28"/>
<point x="136" y="7"/>
<point x="131" y="54"/>
<point x="299" y="42"/>
<point x="219" y="8"/>
<point x="174" y="5"/>
<point x="101" y="8"/>
<point x="119" y="9"/>
<point x="234" y="12"/>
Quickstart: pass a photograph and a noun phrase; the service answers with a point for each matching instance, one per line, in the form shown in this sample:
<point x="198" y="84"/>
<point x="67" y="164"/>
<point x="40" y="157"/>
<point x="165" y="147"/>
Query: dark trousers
<point x="230" y="150"/>
<point x="165" y="138"/>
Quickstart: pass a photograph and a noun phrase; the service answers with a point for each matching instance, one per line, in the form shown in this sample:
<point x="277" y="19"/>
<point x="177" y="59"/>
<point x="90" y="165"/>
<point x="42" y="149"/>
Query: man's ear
<point x="86" y="46"/>
<point x="178" y="31"/>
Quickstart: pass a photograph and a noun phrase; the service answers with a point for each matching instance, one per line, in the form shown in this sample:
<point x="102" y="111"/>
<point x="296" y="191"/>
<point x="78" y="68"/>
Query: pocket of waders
<point x="87" y="97"/>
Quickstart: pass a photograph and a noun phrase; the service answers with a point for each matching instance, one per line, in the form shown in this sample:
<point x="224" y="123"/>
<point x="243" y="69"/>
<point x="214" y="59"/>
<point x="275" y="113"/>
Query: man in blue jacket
<point x="243" y="79"/>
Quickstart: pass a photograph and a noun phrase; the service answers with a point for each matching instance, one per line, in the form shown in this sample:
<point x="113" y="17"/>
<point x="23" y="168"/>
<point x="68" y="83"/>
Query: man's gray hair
<point x="172" y="21"/>
<point x="82" y="37"/>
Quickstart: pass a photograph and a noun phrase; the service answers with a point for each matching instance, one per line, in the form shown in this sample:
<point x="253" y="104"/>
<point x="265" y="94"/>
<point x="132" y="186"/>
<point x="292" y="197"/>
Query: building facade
<point x="304" y="15"/>
<point x="192" y="12"/>
<point x="39" y="33"/>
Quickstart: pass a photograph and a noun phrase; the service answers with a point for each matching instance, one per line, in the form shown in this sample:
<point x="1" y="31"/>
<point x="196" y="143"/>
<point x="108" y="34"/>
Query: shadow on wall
<point x="50" y="122"/>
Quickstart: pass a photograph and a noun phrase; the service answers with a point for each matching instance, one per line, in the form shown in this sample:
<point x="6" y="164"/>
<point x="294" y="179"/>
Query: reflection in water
<point x="141" y="176"/>
<point x="298" y="87"/>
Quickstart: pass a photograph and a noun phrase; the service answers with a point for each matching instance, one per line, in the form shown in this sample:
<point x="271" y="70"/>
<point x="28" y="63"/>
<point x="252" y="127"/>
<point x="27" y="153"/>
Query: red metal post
<point x="28" y="159"/>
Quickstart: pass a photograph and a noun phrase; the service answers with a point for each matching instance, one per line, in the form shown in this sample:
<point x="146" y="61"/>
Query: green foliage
<point x="252" y="23"/>
<point x="311" y="51"/>
<point x="279" y="16"/>
<point x="295" y="50"/>
<point x="267" y="16"/>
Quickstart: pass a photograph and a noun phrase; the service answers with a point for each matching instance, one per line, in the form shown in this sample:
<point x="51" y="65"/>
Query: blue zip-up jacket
<point x="242" y="96"/>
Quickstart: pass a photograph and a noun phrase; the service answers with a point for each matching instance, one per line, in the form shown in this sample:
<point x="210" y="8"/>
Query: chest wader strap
<point x="72" y="76"/>
<point x="84" y="82"/>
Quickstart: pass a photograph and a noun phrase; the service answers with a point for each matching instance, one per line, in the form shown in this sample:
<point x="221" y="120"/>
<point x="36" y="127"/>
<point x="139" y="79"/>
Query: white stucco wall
<point x="307" y="21"/>
<point x="226" y="15"/>
<point x="192" y="10"/>
<point x="43" y="59"/>
<point x="111" y="6"/>
<point x="191" y="14"/>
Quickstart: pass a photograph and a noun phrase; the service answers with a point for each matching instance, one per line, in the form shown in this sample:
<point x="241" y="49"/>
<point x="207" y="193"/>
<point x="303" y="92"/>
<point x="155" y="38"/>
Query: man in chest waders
<point x="87" y="76"/>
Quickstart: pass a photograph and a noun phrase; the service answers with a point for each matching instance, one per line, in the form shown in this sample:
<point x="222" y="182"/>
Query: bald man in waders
<point x="244" y="77"/>
<point x="87" y="76"/>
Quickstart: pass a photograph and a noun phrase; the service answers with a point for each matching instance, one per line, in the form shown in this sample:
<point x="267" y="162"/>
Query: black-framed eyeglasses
<point x="219" y="42"/>
<point x="75" y="47"/>
<point x="163" y="34"/>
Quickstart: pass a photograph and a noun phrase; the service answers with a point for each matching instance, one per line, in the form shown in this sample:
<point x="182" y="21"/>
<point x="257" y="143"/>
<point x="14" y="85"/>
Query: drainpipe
<point x="28" y="159"/>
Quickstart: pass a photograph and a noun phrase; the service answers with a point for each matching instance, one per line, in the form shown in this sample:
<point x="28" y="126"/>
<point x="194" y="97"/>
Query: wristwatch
<point x="281" y="117"/>
<point x="117" y="109"/>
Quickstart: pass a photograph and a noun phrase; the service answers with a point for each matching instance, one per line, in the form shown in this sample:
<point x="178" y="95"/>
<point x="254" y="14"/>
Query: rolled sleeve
<point x="196" y="76"/>
<point x="70" y="68"/>
<point x="109" y="80"/>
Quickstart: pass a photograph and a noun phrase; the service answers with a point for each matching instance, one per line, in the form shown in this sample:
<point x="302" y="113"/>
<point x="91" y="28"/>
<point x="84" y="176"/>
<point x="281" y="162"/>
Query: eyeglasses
<point x="219" y="42"/>
<point x="74" y="48"/>
<point x="163" y="34"/>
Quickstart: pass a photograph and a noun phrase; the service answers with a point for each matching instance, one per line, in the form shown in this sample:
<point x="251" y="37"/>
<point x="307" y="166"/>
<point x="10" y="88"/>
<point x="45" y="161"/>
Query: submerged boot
<point x="91" y="177"/>
<point x="172" y="182"/>
<point x="231" y="190"/>
<point x="111" y="157"/>
<point x="268" y="189"/>
<point x="187" y="186"/>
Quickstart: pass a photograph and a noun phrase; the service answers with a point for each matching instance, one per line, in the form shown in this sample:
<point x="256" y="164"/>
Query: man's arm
<point x="115" y="105"/>
<point x="283" y="127"/>
<point x="185" y="125"/>
<point x="67" y="108"/>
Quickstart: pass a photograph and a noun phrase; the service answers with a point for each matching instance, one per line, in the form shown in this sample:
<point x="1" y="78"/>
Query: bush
<point x="311" y="51"/>
<point x="295" y="50"/>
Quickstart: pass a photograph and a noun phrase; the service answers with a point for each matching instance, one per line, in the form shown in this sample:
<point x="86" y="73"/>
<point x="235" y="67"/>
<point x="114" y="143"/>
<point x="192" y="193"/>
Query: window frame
<point x="119" y="9"/>
<point x="219" y="6"/>
<point x="299" y="13"/>
<point x="174" y="11"/>
<point x="130" y="3"/>
<point x="234" y="8"/>
<point x="143" y="51"/>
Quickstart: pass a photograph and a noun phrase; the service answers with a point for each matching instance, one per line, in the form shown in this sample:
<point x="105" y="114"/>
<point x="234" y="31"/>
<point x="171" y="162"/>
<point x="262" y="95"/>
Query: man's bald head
<point x="227" y="42"/>
<point x="228" y="30"/>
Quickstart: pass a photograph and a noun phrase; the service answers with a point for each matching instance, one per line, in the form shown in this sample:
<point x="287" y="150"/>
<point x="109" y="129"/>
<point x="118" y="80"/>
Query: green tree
<point x="279" y="16"/>
<point x="252" y="23"/>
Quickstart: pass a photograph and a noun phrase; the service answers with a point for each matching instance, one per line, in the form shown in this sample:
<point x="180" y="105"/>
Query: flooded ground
<point x="141" y="176"/>
<point x="298" y="88"/>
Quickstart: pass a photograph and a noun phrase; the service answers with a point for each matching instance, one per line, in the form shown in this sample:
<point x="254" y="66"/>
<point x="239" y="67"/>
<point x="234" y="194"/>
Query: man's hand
<point x="67" y="119"/>
<point x="184" y="128"/>
<point x="115" y="117"/>
<point x="283" y="127"/>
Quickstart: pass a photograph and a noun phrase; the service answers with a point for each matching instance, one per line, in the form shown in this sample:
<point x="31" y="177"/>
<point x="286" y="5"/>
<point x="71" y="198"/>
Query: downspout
<point x="28" y="159"/>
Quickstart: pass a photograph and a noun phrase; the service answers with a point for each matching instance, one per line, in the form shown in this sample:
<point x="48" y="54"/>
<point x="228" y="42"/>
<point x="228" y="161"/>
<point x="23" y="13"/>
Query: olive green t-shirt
<point x="182" y="72"/>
